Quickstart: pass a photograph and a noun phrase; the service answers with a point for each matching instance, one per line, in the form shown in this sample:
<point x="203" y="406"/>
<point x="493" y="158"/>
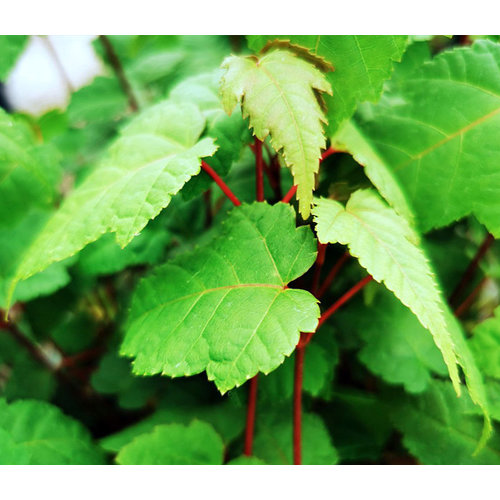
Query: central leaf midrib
<point x="209" y="290"/>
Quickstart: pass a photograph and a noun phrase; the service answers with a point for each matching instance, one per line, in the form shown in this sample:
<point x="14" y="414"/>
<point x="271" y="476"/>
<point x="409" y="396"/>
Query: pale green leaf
<point x="35" y="433"/>
<point x="438" y="430"/>
<point x="156" y="154"/>
<point x="436" y="131"/>
<point x="210" y="310"/>
<point x="387" y="247"/>
<point x="279" y="94"/>
<point x="175" y="444"/>
<point x="362" y="64"/>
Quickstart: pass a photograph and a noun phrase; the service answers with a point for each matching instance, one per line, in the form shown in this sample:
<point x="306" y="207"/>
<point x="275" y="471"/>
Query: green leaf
<point x="387" y="247"/>
<point x="273" y="440"/>
<point x="226" y="418"/>
<point x="362" y="64"/>
<point x="397" y="348"/>
<point x="174" y="444"/>
<point x="437" y="429"/>
<point x="36" y="433"/>
<point x="11" y="47"/>
<point x="210" y="310"/>
<point x="155" y="155"/>
<point x="14" y="239"/>
<point x="279" y="94"/>
<point x="436" y="131"/>
<point x="106" y="257"/>
<point x="485" y="345"/>
<point x="101" y="101"/>
<point x="28" y="172"/>
<point x="244" y="460"/>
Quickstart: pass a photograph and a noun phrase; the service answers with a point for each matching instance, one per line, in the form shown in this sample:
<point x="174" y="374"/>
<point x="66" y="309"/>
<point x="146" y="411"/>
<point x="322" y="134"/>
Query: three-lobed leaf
<point x="226" y="307"/>
<point x="361" y="65"/>
<point x="279" y="93"/>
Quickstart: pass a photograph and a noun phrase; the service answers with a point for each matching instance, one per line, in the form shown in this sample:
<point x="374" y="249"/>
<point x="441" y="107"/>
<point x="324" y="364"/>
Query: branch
<point x="225" y="189"/>
<point x="259" y="171"/>
<point x="114" y="60"/>
<point x="471" y="269"/>
<point x="250" y="425"/>
<point x="288" y="196"/>
<point x="332" y="274"/>
<point x="464" y="306"/>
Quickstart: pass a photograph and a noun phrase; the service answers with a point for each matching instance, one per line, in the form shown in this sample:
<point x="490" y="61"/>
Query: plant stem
<point x="288" y="196"/>
<point x="320" y="260"/>
<point x="225" y="189"/>
<point x="250" y="425"/>
<point x="332" y="274"/>
<point x="297" y="405"/>
<point x="471" y="269"/>
<point x="330" y="151"/>
<point x="464" y="306"/>
<point x="116" y="64"/>
<point x="259" y="171"/>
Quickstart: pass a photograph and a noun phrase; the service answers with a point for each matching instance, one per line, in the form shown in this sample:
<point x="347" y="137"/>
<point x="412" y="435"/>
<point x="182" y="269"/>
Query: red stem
<point x="225" y="189"/>
<point x="332" y="274"/>
<point x="288" y="196"/>
<point x="471" y="269"/>
<point x="259" y="170"/>
<point x="250" y="425"/>
<point x="330" y="151"/>
<point x="320" y="260"/>
<point x="464" y="306"/>
<point x="297" y="405"/>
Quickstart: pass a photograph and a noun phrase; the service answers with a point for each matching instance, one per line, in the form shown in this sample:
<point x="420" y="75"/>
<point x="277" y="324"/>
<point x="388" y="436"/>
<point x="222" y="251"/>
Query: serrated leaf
<point x="386" y="247"/>
<point x="226" y="418"/>
<point x="279" y="94"/>
<point x="175" y="444"/>
<point x="362" y="64"/>
<point x="34" y="432"/>
<point x="273" y="440"/>
<point x="210" y="310"/>
<point x="11" y="47"/>
<point x="437" y="429"/>
<point x="436" y="131"/>
<point x="156" y="154"/>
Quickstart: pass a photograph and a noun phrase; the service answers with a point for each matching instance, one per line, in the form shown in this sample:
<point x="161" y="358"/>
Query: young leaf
<point x="37" y="433"/>
<point x="273" y="441"/>
<point x="279" y="94"/>
<point x="436" y="131"/>
<point x="438" y="430"/>
<point x="226" y="308"/>
<point x="154" y="157"/>
<point x="386" y="247"/>
<point x="175" y="444"/>
<point x="362" y="64"/>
